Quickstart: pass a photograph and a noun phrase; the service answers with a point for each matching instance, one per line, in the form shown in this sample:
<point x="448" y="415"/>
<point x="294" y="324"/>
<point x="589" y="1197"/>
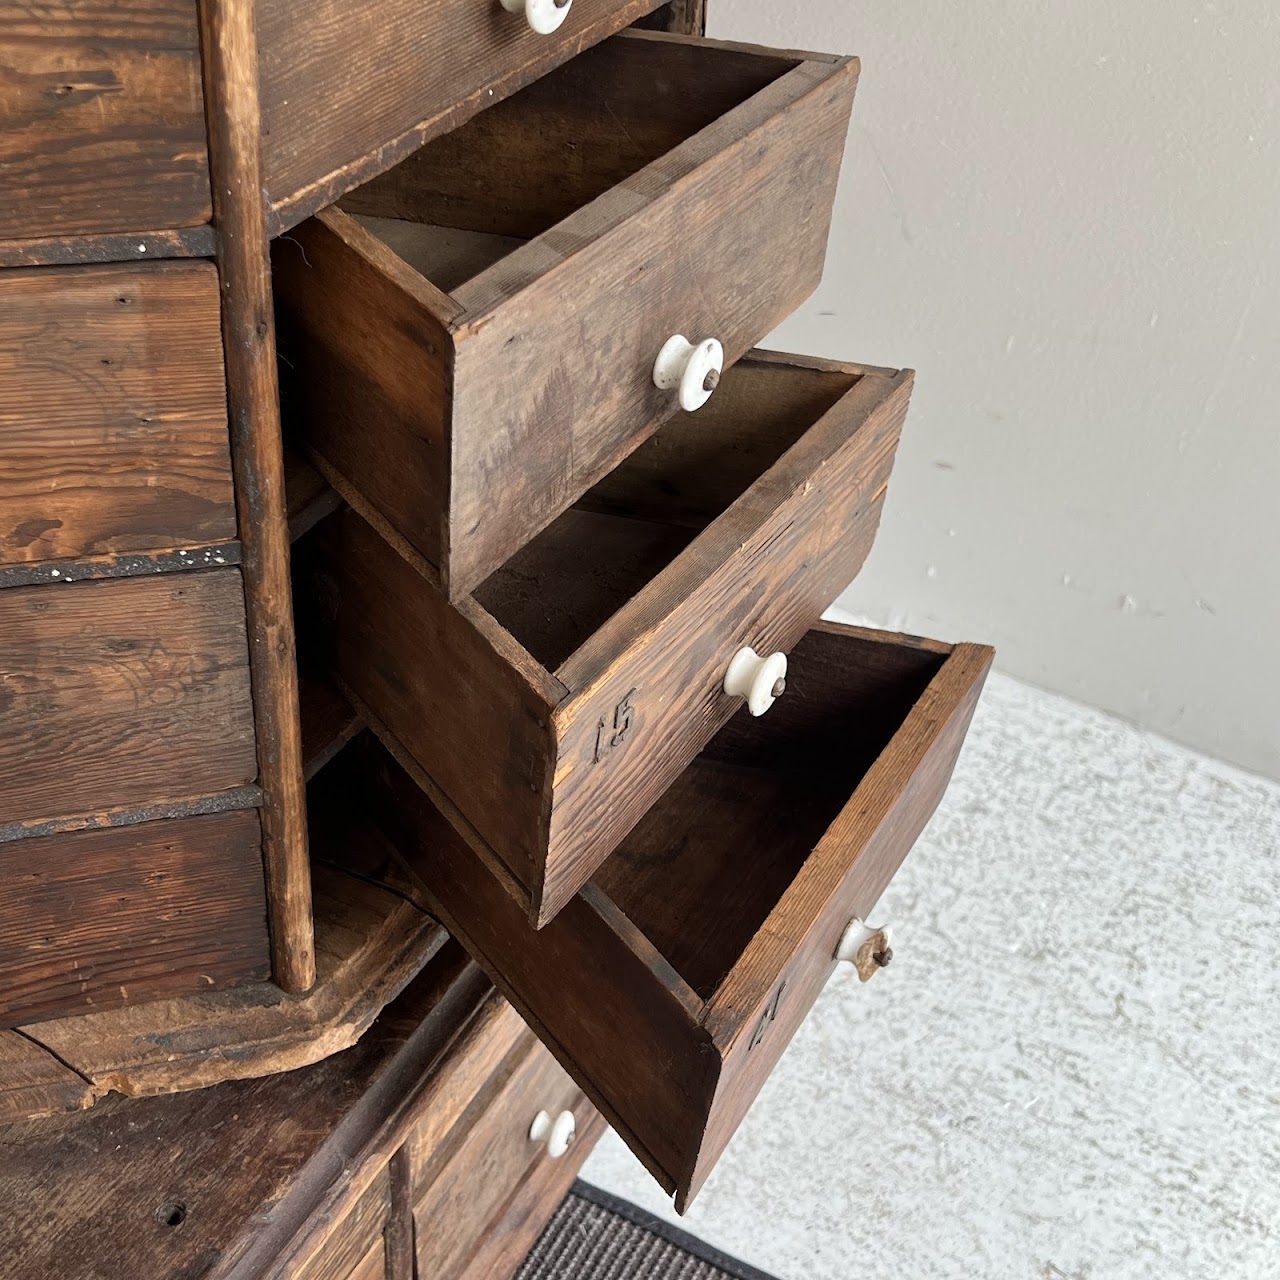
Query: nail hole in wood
<point x="173" y="1213"/>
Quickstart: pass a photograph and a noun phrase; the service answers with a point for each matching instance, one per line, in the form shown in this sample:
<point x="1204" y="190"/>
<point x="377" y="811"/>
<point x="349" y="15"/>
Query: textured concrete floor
<point x="1072" y="1068"/>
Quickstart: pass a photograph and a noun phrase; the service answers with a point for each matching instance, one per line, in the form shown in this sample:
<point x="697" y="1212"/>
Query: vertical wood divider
<point x="399" y="1246"/>
<point x="229" y="54"/>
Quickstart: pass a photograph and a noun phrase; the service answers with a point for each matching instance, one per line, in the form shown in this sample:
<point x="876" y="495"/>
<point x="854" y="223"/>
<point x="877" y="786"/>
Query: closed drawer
<point x="94" y="919"/>
<point x="354" y="1246"/>
<point x="348" y="86"/>
<point x="671" y="983"/>
<point x="122" y="694"/>
<point x="549" y="710"/>
<point x="463" y="1192"/>
<point x="475" y="333"/>
<point x="113" y="412"/>
<point x="104" y="119"/>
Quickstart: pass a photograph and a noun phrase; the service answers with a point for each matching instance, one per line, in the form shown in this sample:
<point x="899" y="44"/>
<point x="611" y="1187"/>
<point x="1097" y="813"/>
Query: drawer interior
<point x="736" y="828"/>
<point x="589" y="562"/>
<point x="520" y="167"/>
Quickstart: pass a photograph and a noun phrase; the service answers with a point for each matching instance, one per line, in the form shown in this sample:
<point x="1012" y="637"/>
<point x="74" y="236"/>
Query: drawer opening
<point x="523" y="165"/>
<point x="555" y="593"/>
<point x="735" y="828"/>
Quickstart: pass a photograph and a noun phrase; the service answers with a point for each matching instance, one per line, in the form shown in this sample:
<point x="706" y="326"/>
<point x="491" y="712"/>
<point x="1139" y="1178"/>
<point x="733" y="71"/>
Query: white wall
<point x="1065" y="217"/>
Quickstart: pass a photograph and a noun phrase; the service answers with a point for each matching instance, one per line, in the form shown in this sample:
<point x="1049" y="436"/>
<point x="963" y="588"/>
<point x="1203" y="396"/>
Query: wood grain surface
<point x="256" y="1172"/>
<point x="595" y="657"/>
<point x="348" y="89"/>
<point x="34" y="1082"/>
<point x="228" y="41"/>
<point x="103" y="918"/>
<point x="104" y="124"/>
<point x="486" y="1167"/>
<point x="448" y="682"/>
<point x="760" y="574"/>
<point x="660" y="185"/>
<point x="113" y="414"/>
<point x="670" y="985"/>
<point x="122" y="692"/>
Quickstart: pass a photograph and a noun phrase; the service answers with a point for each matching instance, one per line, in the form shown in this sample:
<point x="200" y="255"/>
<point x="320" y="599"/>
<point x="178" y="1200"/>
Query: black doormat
<point x="595" y="1236"/>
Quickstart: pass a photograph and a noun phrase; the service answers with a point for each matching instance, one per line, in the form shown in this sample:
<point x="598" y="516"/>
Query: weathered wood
<point x="490" y="1162"/>
<point x="349" y="89"/>
<point x="122" y="693"/>
<point x="33" y="1082"/>
<point x="113" y="415"/>
<point x="229" y="45"/>
<point x="358" y="1231"/>
<point x="670" y="985"/>
<point x="595" y="657"/>
<point x="105" y="918"/>
<point x="398" y="1243"/>
<point x="242" y="1180"/>
<point x="369" y="942"/>
<point x="575" y="984"/>
<point x="690" y="188"/>
<point x="136" y="246"/>
<point x="104" y="126"/>
<point x="442" y="676"/>
<point x="505" y="1242"/>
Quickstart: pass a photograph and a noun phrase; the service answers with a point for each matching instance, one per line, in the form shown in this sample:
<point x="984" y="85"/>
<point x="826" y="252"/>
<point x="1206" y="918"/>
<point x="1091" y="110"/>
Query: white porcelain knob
<point x="866" y="948"/>
<point x="760" y="680"/>
<point x="544" y="16"/>
<point x="556" y="1134"/>
<point x="694" y="369"/>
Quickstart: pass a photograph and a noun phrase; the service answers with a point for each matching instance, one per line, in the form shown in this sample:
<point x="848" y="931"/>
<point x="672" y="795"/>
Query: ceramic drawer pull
<point x="545" y="16"/>
<point x="867" y="949"/>
<point x="557" y="1135"/>
<point x="695" y="370"/>
<point x="761" y="681"/>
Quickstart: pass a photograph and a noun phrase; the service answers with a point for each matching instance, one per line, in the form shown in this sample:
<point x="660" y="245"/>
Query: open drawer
<point x="550" y="709"/>
<point x="672" y="982"/>
<point x="476" y="332"/>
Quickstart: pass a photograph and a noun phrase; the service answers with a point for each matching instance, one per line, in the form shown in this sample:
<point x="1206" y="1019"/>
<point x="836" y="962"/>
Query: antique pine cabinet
<point x="419" y="742"/>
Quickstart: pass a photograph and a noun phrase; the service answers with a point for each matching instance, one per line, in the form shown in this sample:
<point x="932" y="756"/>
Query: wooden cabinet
<point x="578" y="521"/>
<point x="555" y="706"/>
<point x="476" y="335"/>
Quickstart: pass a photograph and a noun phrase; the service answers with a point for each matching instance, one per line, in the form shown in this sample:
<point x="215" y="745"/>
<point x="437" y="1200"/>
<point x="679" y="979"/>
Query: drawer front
<point x="113" y="412"/>
<point x="122" y="694"/>
<point x="492" y="1160"/>
<point x="671" y="983"/>
<point x="104" y="122"/>
<point x="348" y="87"/>
<point x="756" y="1011"/>
<point x="94" y="919"/>
<point x="354" y="1246"/>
